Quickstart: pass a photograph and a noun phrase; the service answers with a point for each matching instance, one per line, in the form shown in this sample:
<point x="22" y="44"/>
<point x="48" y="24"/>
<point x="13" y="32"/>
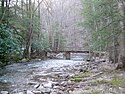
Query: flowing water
<point x="16" y="77"/>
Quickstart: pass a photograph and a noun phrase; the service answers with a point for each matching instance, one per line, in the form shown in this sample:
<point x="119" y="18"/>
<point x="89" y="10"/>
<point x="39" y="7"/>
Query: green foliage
<point x="118" y="81"/>
<point x="101" y="20"/>
<point x="41" y="42"/>
<point x="9" y="43"/>
<point x="22" y="16"/>
<point x="23" y="29"/>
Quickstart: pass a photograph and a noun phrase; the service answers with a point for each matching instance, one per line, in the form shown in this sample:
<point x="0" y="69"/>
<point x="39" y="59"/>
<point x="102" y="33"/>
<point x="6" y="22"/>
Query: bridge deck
<point x="70" y="51"/>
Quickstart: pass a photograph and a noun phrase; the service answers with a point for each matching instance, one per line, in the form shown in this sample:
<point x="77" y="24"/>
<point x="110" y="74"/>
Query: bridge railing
<point x="71" y="49"/>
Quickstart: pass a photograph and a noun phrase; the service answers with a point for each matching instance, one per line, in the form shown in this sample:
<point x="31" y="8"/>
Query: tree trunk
<point x="29" y="32"/>
<point x="2" y="7"/>
<point x="2" y="11"/>
<point x="122" y="35"/>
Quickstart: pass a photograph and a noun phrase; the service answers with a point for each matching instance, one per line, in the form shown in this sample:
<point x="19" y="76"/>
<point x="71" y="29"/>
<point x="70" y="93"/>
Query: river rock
<point x="40" y="87"/>
<point x="46" y="90"/>
<point x="64" y="83"/>
<point x="48" y="85"/>
<point x="56" y="87"/>
<point x="33" y="83"/>
<point x="24" y="60"/>
<point x="62" y="92"/>
<point x="55" y="83"/>
<point x="29" y="92"/>
<point x="4" y="92"/>
<point x="37" y="86"/>
<point x="53" y="93"/>
<point x="20" y="93"/>
<point x="5" y="81"/>
<point x="78" y="91"/>
<point x="37" y="92"/>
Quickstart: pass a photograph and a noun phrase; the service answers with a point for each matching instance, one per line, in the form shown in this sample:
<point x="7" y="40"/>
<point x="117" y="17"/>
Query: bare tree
<point x="61" y="18"/>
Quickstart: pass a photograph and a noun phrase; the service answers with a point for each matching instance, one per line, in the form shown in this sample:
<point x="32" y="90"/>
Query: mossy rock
<point x="76" y="79"/>
<point x="92" y="92"/>
<point x="79" y="77"/>
<point x="117" y="81"/>
<point x="100" y="82"/>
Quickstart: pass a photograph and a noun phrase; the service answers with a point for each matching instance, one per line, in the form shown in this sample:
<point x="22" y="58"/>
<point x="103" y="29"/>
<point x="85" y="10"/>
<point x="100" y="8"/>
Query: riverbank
<point x="105" y="80"/>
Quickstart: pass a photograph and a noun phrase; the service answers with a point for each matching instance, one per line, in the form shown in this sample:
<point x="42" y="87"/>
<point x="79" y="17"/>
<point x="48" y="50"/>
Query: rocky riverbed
<point x="63" y="77"/>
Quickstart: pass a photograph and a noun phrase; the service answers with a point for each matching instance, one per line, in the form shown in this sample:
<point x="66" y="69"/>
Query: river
<point x="24" y="76"/>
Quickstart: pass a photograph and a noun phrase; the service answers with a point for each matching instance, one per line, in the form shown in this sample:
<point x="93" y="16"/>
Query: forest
<point x="27" y="28"/>
<point x="33" y="31"/>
